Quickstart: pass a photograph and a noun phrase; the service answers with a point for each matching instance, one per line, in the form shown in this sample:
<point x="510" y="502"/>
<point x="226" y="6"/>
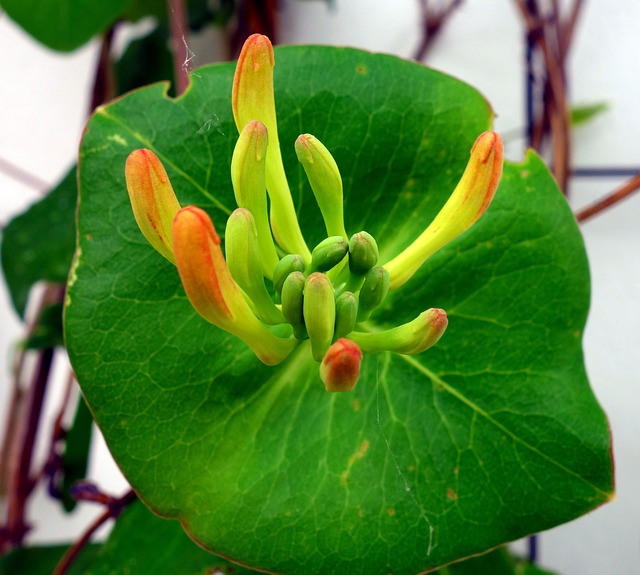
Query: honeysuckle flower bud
<point x="326" y="296"/>
<point x="243" y="260"/>
<point x="152" y="198"/>
<point x="328" y="253"/>
<point x="292" y="303"/>
<point x="363" y="253"/>
<point x="340" y="367"/>
<point x="289" y="263"/>
<point x="253" y="99"/>
<point x="250" y="188"/>
<point x="213" y="292"/>
<point x="324" y="176"/>
<point x="409" y="339"/>
<point x="346" y="314"/>
<point x="466" y="204"/>
<point x="319" y="310"/>
<point x="373" y="291"/>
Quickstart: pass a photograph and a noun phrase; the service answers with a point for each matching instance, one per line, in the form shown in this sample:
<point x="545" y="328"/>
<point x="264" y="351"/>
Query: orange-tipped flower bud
<point x="253" y="98"/>
<point x="340" y="367"/>
<point x="152" y="198"/>
<point x="212" y="290"/>
<point x="466" y="204"/>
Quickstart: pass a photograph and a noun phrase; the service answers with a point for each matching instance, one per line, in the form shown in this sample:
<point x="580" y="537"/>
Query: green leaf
<point x="146" y="60"/>
<point x="43" y="560"/>
<point x="64" y="24"/>
<point x="47" y="332"/>
<point x="490" y="436"/>
<point x="141" y="543"/>
<point x="38" y="245"/>
<point x="582" y="114"/>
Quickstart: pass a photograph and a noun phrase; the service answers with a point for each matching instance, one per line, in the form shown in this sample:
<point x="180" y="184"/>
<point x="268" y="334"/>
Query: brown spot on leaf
<point x="451" y="494"/>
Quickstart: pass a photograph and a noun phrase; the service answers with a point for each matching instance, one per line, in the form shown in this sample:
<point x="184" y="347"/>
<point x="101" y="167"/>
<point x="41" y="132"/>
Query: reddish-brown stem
<point x="432" y="24"/>
<point x="628" y="188"/>
<point x="104" y="83"/>
<point x="111" y="512"/>
<point x="20" y="440"/>
<point x="22" y="176"/>
<point x="178" y="27"/>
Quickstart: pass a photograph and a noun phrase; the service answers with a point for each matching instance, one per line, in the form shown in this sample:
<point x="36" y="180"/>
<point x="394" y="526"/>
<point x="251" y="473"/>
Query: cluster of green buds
<point x="268" y="288"/>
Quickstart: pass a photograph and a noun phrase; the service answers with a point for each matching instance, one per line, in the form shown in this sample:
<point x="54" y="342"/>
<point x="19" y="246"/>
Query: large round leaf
<point x="490" y="436"/>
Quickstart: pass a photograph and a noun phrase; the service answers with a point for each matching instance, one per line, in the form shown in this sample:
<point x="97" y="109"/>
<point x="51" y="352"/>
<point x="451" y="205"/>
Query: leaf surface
<point x="64" y="24"/>
<point x="490" y="436"/>
<point x="38" y="244"/>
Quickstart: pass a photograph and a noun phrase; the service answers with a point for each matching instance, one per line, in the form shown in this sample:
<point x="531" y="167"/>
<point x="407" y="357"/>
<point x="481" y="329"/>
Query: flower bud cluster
<point x="266" y="287"/>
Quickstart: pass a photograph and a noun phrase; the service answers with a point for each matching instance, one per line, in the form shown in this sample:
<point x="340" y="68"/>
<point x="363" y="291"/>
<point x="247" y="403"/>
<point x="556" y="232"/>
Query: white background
<point x="43" y="105"/>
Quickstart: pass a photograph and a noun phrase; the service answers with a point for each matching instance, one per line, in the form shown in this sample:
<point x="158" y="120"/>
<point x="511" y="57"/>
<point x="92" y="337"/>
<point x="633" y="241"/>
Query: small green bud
<point x="328" y="253"/>
<point x="346" y="314"/>
<point x="324" y="176"/>
<point x="319" y="313"/>
<point x="363" y="253"/>
<point x="243" y="259"/>
<point x="293" y="303"/>
<point x="289" y="263"/>
<point x="373" y="291"/>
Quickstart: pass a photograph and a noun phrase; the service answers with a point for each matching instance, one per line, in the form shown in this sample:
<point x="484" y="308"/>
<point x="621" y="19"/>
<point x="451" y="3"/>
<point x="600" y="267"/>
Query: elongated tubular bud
<point x="328" y="253"/>
<point x="408" y="339"/>
<point x="340" y="367"/>
<point x="363" y="253"/>
<point x="288" y="264"/>
<point x="292" y="303"/>
<point x="373" y="291"/>
<point x="466" y="204"/>
<point x="324" y="176"/>
<point x="153" y="200"/>
<point x="346" y="314"/>
<point x="253" y="99"/>
<point x="250" y="188"/>
<point x="243" y="259"/>
<point x="212" y="290"/>
<point x="319" y="309"/>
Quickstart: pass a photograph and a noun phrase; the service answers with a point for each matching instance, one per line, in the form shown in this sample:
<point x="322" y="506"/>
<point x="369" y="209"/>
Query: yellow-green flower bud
<point x="319" y="308"/>
<point x="363" y="253"/>
<point x="250" y="188"/>
<point x="328" y="253"/>
<point x="293" y="303"/>
<point x="346" y="314"/>
<point x="243" y="259"/>
<point x="253" y="98"/>
<point x="289" y="263"/>
<point x="373" y="291"/>
<point x="324" y="176"/>
<point x="340" y="367"/>
<point x="409" y="339"/>
<point x="466" y="204"/>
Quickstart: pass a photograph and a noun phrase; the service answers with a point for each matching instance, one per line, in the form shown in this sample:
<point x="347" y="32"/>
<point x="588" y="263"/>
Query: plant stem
<point x="179" y="30"/>
<point x="432" y="24"/>
<point x="628" y="188"/>
<point x="112" y="511"/>
<point x="19" y="441"/>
